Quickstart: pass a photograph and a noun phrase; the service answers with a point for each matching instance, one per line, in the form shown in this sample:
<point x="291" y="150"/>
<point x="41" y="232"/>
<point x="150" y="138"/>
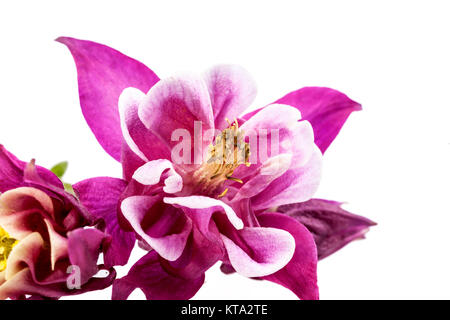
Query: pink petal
<point x="151" y="172"/>
<point x="103" y="73"/>
<point x="293" y="137"/>
<point x="176" y="103"/>
<point x="300" y="274"/>
<point x="142" y="141"/>
<point x="232" y="90"/>
<point x="26" y="198"/>
<point x="295" y="185"/>
<point x="165" y="229"/>
<point x="325" y="108"/>
<point x="23" y="210"/>
<point x="148" y="275"/>
<point x="271" y="249"/>
<point x="272" y="169"/>
<point x="84" y="248"/>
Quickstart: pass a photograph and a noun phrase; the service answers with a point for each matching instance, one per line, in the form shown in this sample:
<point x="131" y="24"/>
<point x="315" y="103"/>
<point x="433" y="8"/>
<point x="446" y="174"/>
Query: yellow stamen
<point x="6" y="245"/>
<point x="235" y="179"/>
<point x="223" y="193"/>
<point x="228" y="151"/>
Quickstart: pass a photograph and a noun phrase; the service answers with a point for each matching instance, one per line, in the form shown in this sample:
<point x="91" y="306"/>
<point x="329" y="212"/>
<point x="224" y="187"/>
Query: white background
<point x="390" y="162"/>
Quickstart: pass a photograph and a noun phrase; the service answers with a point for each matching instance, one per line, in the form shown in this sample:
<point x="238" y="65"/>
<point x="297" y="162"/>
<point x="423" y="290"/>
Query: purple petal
<point x="166" y="229"/>
<point x="84" y="248"/>
<point x="176" y="103"/>
<point x="232" y="90"/>
<point x="325" y="108"/>
<point x="12" y="173"/>
<point x="300" y="274"/>
<point x="101" y="197"/>
<point x="103" y="73"/>
<point x="42" y="179"/>
<point x="331" y="226"/>
<point x="11" y="170"/>
<point x="148" y="275"/>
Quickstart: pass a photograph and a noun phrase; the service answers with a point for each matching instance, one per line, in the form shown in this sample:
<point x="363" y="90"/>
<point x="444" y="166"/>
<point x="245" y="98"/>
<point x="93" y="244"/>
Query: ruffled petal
<point x="295" y="185"/>
<point x="205" y="207"/>
<point x="142" y="141"/>
<point x="177" y="105"/>
<point x="273" y="131"/>
<point x="257" y="252"/>
<point x="151" y="173"/>
<point x="164" y="228"/>
<point x="201" y="253"/>
<point x="231" y="89"/>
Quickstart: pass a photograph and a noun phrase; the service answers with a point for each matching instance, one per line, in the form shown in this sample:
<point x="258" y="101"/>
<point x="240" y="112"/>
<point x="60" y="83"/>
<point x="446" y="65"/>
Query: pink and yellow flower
<point x="43" y="236"/>
<point x="207" y="208"/>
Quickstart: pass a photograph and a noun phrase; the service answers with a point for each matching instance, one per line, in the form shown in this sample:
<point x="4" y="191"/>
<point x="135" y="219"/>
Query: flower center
<point x="6" y="245"/>
<point x="228" y="152"/>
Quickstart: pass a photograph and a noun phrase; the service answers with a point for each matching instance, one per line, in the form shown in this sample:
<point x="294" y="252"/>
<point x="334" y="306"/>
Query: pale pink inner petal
<point x="58" y="244"/>
<point x="275" y="130"/>
<point x="128" y="110"/>
<point x="168" y="235"/>
<point x="271" y="250"/>
<point x="273" y="116"/>
<point x="295" y="185"/>
<point x="179" y="104"/>
<point x="24" y="198"/>
<point x="232" y="90"/>
<point x="150" y="174"/>
<point x="25" y="253"/>
<point x="272" y="169"/>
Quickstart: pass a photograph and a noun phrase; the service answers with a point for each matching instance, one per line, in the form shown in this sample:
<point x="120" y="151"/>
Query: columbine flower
<point x="43" y="242"/>
<point x="202" y="200"/>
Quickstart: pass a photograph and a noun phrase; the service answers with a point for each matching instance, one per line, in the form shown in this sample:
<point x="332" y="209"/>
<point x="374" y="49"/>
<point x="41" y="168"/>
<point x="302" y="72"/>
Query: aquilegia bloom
<point x="44" y="242"/>
<point x="203" y="181"/>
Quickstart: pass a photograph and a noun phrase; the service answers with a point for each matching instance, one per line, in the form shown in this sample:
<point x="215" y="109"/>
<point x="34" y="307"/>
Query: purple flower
<point x="192" y="198"/>
<point x="43" y="236"/>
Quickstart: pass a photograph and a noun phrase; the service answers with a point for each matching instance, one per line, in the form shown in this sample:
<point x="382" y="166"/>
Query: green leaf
<point x="60" y="168"/>
<point x="69" y="189"/>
